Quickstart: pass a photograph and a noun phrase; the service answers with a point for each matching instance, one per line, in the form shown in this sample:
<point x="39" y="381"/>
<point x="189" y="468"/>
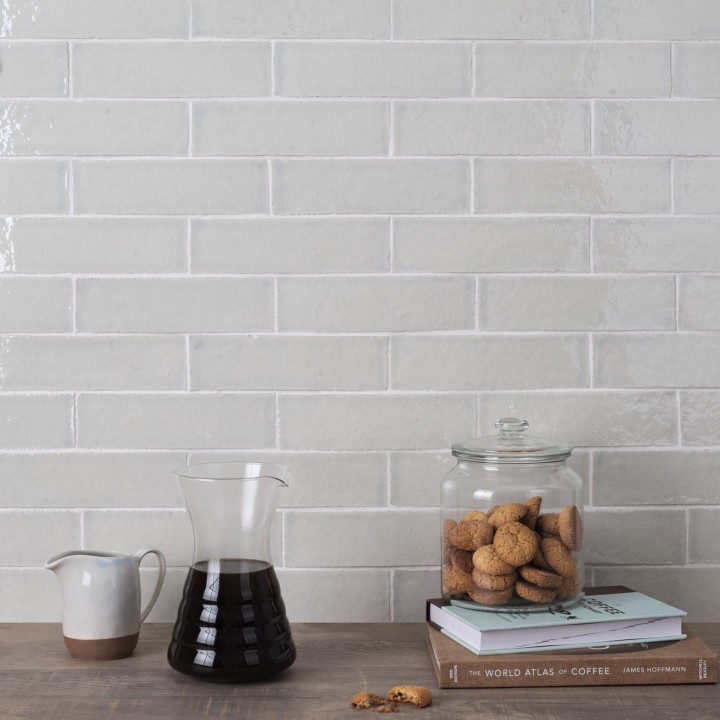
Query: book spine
<point x="509" y="672"/>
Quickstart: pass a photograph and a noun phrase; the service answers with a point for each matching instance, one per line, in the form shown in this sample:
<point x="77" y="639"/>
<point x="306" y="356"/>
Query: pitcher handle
<point x="139" y="555"/>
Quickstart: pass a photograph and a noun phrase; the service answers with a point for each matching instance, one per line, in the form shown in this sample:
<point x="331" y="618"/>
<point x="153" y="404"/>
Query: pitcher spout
<point x="55" y="562"/>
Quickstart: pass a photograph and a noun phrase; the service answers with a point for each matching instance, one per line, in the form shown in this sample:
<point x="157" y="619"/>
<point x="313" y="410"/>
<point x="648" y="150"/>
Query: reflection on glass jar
<point x="512" y="523"/>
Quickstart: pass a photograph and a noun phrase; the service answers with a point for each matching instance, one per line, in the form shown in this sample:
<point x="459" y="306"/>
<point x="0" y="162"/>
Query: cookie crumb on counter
<point x="416" y="694"/>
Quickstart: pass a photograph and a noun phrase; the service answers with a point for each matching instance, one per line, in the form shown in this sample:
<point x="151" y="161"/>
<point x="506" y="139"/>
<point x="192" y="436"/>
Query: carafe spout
<point x="279" y="473"/>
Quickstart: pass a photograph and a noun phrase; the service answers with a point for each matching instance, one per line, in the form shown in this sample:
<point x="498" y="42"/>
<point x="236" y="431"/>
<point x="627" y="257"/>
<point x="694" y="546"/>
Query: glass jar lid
<point x="511" y="445"/>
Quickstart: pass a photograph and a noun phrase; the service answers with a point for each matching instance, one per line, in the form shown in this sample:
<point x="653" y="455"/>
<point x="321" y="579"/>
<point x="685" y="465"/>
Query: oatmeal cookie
<point x="558" y="556"/>
<point x="486" y="581"/>
<point x="509" y="512"/>
<point x="474" y="515"/>
<point x="539" y="560"/>
<point x="533" y="511"/>
<point x="548" y="524"/>
<point x="486" y="560"/>
<point x="461" y="559"/>
<point x="533" y="593"/>
<point x="471" y="534"/>
<point x="570" y="587"/>
<point x="455" y="582"/>
<point x="448" y="527"/>
<point x="570" y="527"/>
<point x="490" y="597"/>
<point x="515" y="544"/>
<point x="541" y="578"/>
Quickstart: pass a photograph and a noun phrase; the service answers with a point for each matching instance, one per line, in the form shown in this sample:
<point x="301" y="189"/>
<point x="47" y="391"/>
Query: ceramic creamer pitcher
<point x="101" y="601"/>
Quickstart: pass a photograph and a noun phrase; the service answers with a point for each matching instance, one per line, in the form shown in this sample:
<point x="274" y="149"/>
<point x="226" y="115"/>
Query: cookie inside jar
<point x="513" y="529"/>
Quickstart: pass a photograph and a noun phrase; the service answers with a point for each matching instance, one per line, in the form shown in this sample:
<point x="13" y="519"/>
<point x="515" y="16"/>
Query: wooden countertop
<point x="40" y="681"/>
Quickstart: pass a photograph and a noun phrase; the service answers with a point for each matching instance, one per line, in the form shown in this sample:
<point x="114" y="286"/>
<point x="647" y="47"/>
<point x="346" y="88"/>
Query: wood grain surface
<point x="40" y="681"/>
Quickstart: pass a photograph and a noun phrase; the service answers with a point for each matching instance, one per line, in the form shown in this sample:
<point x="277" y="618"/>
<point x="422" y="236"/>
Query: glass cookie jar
<point x="512" y="523"/>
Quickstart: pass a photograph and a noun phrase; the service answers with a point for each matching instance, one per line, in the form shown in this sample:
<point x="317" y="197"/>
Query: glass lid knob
<point x="512" y="425"/>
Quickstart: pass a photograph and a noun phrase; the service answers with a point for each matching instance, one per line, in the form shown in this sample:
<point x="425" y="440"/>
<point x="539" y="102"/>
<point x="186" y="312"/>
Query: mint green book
<point x="605" y="615"/>
<point x="634" y="644"/>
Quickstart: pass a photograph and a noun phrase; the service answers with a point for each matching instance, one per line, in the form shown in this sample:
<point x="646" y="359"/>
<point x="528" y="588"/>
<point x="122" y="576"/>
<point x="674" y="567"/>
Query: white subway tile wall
<point x="341" y="235"/>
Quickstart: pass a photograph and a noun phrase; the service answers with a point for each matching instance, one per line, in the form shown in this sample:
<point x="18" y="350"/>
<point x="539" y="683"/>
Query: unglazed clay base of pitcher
<point x="106" y="649"/>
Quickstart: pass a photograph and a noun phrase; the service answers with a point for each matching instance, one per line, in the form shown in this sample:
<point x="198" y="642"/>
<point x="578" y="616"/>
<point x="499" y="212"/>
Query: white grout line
<point x="361" y="160"/>
<point x="344" y="217"/>
<point x="375" y="392"/>
<point x="286" y="452"/>
<point x="407" y="274"/>
<point x="199" y="40"/>
<point x="437" y="218"/>
<point x="423" y="510"/>
<point x="364" y="99"/>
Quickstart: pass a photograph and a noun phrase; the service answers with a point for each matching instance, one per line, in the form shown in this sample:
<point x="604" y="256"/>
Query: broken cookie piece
<point x="415" y="694"/>
<point x="389" y="708"/>
<point x="366" y="699"/>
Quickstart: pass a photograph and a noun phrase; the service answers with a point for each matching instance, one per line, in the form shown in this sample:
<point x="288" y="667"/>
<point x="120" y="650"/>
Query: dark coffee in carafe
<point x="231" y="624"/>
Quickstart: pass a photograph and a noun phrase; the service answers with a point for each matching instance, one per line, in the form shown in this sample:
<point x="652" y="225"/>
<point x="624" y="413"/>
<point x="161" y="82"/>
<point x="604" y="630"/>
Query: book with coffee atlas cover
<point x="657" y="663"/>
<point x="604" y="615"/>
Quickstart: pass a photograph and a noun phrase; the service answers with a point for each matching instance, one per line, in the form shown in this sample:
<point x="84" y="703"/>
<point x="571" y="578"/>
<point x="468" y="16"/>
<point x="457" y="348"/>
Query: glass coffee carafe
<point x="231" y="624"/>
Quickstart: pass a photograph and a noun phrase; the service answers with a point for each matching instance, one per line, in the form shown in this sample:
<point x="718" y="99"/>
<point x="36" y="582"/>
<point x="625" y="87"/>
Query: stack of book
<point x="614" y="636"/>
